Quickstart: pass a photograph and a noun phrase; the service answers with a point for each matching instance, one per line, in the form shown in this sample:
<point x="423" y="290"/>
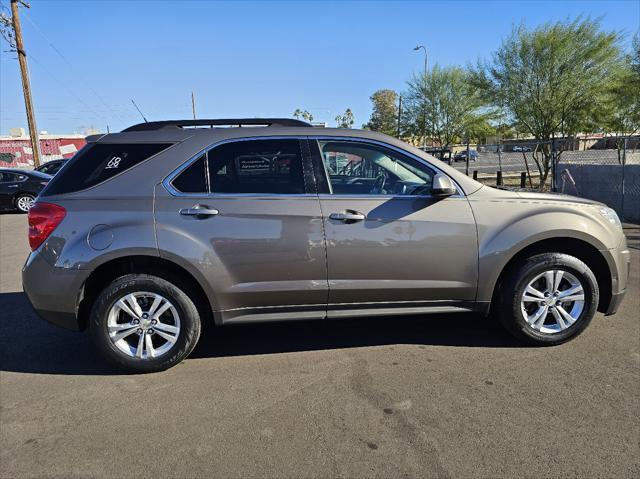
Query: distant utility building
<point x="16" y="152"/>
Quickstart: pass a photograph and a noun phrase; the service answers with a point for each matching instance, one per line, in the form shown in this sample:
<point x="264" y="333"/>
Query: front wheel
<point x="143" y="323"/>
<point x="548" y="299"/>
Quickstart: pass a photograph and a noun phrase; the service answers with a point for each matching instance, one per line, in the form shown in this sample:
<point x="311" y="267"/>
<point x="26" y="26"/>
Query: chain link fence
<point x="602" y="169"/>
<point x="608" y="171"/>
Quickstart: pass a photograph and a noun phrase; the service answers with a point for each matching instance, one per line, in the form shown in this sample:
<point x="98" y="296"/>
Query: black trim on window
<point x="321" y="181"/>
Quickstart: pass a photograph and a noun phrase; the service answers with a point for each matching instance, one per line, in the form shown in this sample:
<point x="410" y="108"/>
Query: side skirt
<point x="351" y="310"/>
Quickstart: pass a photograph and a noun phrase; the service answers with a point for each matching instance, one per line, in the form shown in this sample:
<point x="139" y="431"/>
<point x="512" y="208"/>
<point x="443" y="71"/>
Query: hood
<point x="488" y="192"/>
<point x="557" y="197"/>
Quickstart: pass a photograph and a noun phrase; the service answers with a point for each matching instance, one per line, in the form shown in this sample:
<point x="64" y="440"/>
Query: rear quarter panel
<point x="95" y="231"/>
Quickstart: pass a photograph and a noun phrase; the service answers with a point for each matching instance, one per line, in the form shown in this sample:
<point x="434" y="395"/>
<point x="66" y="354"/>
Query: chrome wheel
<point x="553" y="301"/>
<point x="143" y="325"/>
<point x="24" y="203"/>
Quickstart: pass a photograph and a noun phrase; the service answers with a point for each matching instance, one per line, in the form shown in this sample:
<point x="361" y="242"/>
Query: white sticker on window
<point x="113" y="163"/>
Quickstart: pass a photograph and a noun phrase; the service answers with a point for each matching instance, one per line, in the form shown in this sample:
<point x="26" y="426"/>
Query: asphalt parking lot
<point x="436" y="396"/>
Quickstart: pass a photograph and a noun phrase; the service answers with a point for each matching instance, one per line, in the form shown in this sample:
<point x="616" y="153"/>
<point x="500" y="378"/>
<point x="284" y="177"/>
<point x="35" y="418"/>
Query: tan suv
<point x="146" y="233"/>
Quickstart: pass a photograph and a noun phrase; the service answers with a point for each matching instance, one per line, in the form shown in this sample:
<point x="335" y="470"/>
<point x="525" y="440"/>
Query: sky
<point x="89" y="58"/>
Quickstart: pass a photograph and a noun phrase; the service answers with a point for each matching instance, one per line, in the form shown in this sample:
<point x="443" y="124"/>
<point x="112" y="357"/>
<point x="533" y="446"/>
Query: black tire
<point x="517" y="279"/>
<point x="189" y="322"/>
<point x="18" y="201"/>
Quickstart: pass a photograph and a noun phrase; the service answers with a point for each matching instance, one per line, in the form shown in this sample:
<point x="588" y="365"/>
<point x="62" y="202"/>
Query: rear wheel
<point x="548" y="299"/>
<point x="143" y="323"/>
<point x="24" y="202"/>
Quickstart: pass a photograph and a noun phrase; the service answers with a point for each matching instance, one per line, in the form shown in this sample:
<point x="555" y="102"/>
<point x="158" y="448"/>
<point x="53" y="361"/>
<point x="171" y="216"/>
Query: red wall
<point x="16" y="152"/>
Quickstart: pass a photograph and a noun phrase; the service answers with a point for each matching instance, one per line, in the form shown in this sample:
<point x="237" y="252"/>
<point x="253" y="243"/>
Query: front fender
<point x="502" y="237"/>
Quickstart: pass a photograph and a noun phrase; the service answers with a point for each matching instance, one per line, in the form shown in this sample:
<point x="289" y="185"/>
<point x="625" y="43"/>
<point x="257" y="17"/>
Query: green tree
<point x="346" y="120"/>
<point x="620" y="111"/>
<point x="447" y="103"/>
<point x="384" y="117"/>
<point x="550" y="79"/>
<point x="304" y="114"/>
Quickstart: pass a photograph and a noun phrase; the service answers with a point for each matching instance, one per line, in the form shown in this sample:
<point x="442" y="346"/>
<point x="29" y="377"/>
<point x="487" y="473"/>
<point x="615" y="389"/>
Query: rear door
<point x="389" y="242"/>
<point x="8" y="187"/>
<point x="243" y="215"/>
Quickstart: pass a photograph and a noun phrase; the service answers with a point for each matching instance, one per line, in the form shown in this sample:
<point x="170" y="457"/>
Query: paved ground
<point x="445" y="396"/>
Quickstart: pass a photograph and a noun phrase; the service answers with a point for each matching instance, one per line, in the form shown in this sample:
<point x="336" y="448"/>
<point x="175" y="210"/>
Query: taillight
<point x="43" y="219"/>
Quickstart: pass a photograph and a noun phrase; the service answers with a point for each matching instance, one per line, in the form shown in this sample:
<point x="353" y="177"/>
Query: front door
<point x="389" y="243"/>
<point x="242" y="215"/>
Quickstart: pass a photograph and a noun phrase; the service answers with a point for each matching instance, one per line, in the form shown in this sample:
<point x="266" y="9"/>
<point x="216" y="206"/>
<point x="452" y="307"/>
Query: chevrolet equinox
<point x="147" y="233"/>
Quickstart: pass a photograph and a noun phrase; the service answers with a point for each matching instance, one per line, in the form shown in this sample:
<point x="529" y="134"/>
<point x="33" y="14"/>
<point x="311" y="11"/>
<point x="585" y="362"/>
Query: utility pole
<point x="26" y="87"/>
<point x="193" y="104"/>
<point x="426" y="63"/>
<point x="399" y="114"/>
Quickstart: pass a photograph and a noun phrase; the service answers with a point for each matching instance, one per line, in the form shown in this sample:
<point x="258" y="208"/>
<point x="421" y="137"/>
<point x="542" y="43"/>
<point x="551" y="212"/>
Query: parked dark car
<point x="443" y="154"/>
<point x="19" y="188"/>
<point x="462" y="155"/>
<point x="52" y="167"/>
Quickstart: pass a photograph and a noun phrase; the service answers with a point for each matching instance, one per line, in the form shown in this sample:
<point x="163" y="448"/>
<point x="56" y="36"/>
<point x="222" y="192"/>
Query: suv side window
<point x="98" y="162"/>
<point x="257" y="166"/>
<point x="193" y="178"/>
<point x="358" y="168"/>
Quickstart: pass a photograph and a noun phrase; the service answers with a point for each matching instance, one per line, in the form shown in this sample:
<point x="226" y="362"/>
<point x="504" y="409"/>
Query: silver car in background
<point x="147" y="233"/>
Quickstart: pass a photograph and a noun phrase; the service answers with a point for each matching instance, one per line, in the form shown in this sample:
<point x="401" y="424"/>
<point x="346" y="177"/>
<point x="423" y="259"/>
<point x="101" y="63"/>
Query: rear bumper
<point x="52" y="291"/>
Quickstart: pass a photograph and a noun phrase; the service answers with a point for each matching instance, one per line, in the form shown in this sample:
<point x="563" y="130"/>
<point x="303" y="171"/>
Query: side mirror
<point x="442" y="186"/>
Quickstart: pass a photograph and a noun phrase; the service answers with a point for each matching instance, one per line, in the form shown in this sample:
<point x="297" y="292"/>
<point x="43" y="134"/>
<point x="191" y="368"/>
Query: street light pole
<point x="424" y="128"/>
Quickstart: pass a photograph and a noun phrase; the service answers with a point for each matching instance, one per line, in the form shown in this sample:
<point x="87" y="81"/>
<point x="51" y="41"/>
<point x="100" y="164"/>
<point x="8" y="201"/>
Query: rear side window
<point x="98" y="162"/>
<point x="192" y="179"/>
<point x="257" y="166"/>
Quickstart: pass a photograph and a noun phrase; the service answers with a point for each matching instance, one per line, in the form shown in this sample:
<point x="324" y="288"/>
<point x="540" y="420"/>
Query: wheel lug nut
<point x="154" y="321"/>
<point x="139" y="330"/>
<point x="136" y="321"/>
<point x="151" y="331"/>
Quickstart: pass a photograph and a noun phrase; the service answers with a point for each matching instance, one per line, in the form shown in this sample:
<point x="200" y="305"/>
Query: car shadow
<point x="30" y="345"/>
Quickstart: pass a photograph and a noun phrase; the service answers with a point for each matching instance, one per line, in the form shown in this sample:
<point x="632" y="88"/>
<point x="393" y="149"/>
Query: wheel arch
<point x="579" y="248"/>
<point x="106" y="272"/>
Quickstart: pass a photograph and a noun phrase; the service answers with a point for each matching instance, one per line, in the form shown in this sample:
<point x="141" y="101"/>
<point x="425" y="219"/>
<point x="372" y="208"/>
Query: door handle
<point x="348" y="216"/>
<point x="199" y="211"/>
<point x="12" y="186"/>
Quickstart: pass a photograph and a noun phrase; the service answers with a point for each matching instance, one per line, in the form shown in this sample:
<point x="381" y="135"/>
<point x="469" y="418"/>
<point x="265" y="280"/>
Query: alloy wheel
<point x="25" y="203"/>
<point x="143" y="325"/>
<point x="553" y="301"/>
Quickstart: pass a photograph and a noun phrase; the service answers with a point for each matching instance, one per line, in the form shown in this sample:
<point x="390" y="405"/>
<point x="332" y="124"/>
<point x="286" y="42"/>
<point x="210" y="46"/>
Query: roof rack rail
<point x="157" y="125"/>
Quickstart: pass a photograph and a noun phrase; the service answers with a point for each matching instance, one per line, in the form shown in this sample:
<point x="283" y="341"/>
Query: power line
<point x="78" y="75"/>
<point x="66" y="87"/>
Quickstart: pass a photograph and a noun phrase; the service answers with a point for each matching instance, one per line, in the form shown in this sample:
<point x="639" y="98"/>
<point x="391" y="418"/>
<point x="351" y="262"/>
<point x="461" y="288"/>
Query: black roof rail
<point x="157" y="125"/>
